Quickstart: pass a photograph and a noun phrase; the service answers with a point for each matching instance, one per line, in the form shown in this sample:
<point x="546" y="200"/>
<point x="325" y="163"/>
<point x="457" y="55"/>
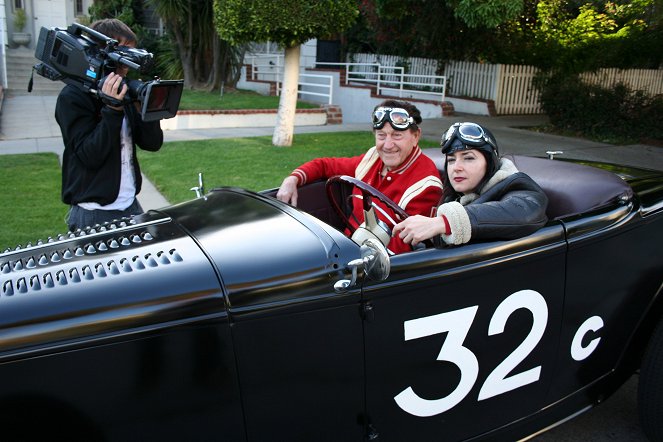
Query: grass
<point x="232" y="99"/>
<point x="31" y="209"/>
<point x="250" y="163"/>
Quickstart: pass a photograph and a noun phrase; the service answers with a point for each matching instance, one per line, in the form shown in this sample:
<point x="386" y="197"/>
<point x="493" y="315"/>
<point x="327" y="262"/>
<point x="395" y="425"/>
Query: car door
<point x="615" y="263"/>
<point x="462" y="340"/>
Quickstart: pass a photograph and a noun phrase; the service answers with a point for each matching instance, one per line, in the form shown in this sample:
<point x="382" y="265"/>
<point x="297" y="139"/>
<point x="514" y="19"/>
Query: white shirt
<point x="127" y="192"/>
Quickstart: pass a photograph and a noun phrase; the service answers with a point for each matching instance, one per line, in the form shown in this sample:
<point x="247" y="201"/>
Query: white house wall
<point x="46" y="13"/>
<point x="3" y="44"/>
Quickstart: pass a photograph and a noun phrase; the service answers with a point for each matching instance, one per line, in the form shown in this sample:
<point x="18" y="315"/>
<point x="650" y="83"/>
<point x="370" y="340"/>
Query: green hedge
<point x="617" y="115"/>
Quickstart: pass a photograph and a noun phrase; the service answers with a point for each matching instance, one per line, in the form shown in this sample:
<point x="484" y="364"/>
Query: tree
<point x="619" y="33"/>
<point x="288" y="23"/>
<point x="123" y="10"/>
<point x="588" y="36"/>
<point x="206" y="61"/>
<point x="444" y="30"/>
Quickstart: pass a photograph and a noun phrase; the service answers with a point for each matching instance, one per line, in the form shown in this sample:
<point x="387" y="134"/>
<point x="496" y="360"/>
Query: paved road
<point x="614" y="420"/>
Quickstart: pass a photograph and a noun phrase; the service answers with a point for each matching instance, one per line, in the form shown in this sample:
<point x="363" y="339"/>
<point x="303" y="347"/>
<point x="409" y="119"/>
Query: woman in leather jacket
<point x="485" y="197"/>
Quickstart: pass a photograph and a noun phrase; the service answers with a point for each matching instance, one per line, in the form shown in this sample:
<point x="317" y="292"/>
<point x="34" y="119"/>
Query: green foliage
<point x="123" y="10"/>
<point x="616" y="115"/>
<point x="549" y="34"/>
<point x="20" y="20"/>
<point x="130" y="12"/>
<point x="287" y="22"/>
<point x="595" y="35"/>
<point x="167" y="60"/>
<point x="196" y="52"/>
<point x="488" y="13"/>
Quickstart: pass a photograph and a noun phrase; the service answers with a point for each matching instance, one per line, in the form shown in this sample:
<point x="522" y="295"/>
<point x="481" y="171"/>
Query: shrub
<point x="20" y="20"/>
<point x="618" y="114"/>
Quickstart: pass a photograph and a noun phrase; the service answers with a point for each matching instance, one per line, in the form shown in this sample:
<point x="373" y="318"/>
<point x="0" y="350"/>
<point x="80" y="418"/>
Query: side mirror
<point x="374" y="262"/>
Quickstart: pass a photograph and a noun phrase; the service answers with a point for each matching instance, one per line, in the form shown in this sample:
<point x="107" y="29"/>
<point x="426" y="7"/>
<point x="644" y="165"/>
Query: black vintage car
<point x="237" y="317"/>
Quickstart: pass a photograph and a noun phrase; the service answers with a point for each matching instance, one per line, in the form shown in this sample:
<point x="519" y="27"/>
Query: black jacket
<point x="512" y="208"/>
<point x="510" y="205"/>
<point x="91" y="135"/>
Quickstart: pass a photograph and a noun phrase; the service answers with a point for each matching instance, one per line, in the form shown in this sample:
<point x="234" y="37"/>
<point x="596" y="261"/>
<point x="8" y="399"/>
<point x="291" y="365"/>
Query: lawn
<point x="31" y="208"/>
<point x="232" y="99"/>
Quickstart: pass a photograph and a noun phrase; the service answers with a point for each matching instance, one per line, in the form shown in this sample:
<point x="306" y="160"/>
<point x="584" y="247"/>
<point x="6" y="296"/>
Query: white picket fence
<point x="509" y="86"/>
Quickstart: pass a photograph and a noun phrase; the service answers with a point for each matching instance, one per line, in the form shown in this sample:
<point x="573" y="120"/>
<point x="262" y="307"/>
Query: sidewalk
<point x="27" y="125"/>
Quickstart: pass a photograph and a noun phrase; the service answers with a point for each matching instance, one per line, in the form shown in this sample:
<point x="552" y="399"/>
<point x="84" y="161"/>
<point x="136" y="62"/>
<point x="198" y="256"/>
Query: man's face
<point x="394" y="146"/>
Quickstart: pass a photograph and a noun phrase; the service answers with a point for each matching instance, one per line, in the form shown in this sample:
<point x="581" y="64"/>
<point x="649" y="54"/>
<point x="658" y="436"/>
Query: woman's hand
<point x="418" y="228"/>
<point x="288" y="191"/>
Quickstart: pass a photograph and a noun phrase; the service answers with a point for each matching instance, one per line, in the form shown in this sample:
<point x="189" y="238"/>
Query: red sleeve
<point x="323" y="168"/>
<point x="447" y="227"/>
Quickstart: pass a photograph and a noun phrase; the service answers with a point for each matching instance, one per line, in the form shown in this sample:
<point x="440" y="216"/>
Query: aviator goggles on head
<point x="470" y="134"/>
<point x="398" y="117"/>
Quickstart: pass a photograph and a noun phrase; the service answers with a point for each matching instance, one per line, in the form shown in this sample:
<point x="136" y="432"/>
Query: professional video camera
<point x="84" y="60"/>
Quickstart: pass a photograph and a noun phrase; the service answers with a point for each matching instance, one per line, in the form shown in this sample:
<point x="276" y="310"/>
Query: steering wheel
<point x="373" y="226"/>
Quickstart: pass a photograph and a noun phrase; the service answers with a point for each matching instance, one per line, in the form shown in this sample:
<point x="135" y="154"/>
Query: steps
<point x="19" y="69"/>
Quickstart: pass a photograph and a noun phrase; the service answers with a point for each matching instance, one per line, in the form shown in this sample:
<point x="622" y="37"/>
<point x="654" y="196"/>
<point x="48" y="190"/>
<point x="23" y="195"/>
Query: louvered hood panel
<point x="117" y="278"/>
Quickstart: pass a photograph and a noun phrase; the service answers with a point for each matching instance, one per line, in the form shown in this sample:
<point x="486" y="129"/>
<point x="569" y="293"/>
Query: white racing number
<point x="457" y="323"/>
<point x="578" y="352"/>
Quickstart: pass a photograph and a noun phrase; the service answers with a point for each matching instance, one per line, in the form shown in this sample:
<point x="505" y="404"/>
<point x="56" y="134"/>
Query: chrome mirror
<point x="374" y="262"/>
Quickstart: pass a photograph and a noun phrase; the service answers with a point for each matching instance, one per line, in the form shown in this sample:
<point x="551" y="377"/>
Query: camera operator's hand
<point x="113" y="91"/>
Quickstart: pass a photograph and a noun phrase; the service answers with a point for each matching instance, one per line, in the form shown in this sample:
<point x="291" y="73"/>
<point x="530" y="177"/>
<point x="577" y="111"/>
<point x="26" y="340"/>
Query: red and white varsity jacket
<point x="415" y="185"/>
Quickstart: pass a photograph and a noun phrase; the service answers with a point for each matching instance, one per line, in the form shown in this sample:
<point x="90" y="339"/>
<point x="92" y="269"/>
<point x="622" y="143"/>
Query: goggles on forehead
<point x="470" y="134"/>
<point x="398" y="117"/>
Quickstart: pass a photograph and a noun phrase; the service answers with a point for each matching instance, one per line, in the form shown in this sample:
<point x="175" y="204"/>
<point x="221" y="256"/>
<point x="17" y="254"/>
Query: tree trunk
<point x="185" y="57"/>
<point x="285" y="119"/>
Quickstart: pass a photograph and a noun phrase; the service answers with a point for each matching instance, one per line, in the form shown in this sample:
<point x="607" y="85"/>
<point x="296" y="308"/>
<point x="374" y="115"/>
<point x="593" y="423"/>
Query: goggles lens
<point x="469" y="133"/>
<point x="398" y="117"/>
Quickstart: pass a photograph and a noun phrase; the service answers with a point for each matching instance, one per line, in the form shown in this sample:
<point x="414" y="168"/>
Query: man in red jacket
<point x="395" y="166"/>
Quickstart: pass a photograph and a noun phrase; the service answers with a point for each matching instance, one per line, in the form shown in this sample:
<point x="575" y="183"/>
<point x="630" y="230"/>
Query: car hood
<point x="265" y="251"/>
<point x="229" y="250"/>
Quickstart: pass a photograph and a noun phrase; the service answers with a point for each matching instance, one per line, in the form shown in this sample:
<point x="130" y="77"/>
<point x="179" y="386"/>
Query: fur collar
<point x="507" y="168"/>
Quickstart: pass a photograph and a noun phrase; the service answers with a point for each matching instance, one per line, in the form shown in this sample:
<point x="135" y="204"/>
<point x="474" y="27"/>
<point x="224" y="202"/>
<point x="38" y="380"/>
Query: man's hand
<point x="114" y="91"/>
<point x="288" y="191"/>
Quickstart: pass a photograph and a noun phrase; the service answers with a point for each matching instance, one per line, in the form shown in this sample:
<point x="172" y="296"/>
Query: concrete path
<point x="27" y="125"/>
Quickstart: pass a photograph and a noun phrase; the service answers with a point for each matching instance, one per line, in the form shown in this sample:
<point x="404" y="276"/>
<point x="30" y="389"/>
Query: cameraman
<point x="100" y="172"/>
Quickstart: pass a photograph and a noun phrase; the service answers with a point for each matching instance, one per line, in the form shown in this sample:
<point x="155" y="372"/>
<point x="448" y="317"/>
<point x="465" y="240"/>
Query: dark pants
<point x="79" y="218"/>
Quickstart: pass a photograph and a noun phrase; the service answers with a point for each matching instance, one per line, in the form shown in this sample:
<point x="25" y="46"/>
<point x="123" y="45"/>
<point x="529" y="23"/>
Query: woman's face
<point x="466" y="169"/>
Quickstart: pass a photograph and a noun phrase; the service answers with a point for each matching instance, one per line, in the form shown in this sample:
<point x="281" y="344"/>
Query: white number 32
<point x="457" y="324"/>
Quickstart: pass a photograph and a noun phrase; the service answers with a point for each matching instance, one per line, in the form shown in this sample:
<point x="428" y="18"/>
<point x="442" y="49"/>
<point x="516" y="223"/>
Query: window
<point x="18" y="4"/>
<point x="79" y="7"/>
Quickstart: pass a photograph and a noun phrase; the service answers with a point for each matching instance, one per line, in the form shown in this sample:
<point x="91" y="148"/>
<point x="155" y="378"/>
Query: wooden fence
<point x="509" y="86"/>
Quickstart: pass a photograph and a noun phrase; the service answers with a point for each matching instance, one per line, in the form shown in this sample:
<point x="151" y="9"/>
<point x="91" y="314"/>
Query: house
<point x="38" y="13"/>
<point x="20" y="24"/>
<point x="19" y="41"/>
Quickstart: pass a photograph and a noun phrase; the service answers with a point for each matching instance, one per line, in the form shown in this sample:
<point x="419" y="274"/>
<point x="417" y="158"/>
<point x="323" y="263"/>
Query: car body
<point x="235" y="316"/>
